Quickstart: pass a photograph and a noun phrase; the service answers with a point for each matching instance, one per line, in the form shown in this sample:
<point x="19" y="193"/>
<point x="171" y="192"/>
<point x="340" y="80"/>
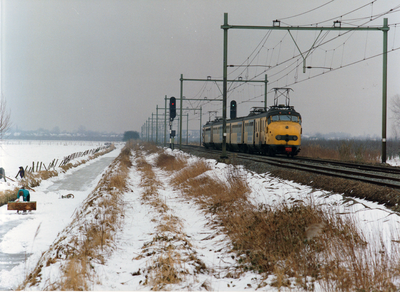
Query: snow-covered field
<point x="28" y="236"/>
<point x="16" y="153"/>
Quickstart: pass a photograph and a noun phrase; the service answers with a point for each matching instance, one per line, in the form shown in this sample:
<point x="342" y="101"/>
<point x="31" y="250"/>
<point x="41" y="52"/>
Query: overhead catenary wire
<point x="335" y="18"/>
<point x="293" y="66"/>
<point x="370" y="18"/>
<point x="320" y="74"/>
<point x="308" y="11"/>
<point x="318" y="45"/>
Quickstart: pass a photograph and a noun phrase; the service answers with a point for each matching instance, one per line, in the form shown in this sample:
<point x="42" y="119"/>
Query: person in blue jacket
<point x="25" y="194"/>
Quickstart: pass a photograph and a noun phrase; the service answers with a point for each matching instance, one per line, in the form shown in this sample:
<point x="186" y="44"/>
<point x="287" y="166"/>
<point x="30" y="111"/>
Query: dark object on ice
<point x="2" y="173"/>
<point x="69" y="196"/>
<point x="21" y="172"/>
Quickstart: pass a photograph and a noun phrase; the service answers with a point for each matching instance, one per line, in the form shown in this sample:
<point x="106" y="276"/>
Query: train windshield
<point x="286" y="118"/>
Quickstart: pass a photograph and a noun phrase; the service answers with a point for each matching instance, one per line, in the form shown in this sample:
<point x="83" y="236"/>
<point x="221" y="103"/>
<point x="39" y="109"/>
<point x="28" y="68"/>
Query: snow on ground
<point x="16" y="153"/>
<point x="25" y="236"/>
<point x="394" y="161"/>
<point x="122" y="270"/>
<point x="30" y="234"/>
<point x="211" y="246"/>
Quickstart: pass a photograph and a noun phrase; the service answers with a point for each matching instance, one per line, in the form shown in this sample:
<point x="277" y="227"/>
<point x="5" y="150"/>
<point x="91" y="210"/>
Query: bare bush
<point x="5" y="117"/>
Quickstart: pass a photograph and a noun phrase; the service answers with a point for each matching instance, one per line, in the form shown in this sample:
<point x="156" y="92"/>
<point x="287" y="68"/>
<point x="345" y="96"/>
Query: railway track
<point x="379" y="175"/>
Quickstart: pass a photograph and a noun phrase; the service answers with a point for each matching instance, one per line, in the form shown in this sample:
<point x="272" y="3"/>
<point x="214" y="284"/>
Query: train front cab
<point x="283" y="133"/>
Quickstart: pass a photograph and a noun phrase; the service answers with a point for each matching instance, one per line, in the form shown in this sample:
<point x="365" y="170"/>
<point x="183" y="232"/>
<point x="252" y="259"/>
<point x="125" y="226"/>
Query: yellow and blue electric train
<point x="274" y="131"/>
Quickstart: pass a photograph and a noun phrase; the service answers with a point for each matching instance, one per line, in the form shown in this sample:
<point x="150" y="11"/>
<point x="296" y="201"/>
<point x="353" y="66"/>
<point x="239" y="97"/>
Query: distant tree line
<point x="130" y="135"/>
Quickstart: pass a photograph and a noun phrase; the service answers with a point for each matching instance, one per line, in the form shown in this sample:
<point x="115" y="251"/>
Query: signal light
<point x="233" y="109"/>
<point x="172" y="108"/>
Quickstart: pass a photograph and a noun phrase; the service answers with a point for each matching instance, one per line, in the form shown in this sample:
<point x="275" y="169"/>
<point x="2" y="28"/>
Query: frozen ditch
<point x="23" y="237"/>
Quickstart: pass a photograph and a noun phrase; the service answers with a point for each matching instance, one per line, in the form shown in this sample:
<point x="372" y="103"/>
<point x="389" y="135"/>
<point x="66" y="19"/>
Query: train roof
<point x="261" y="112"/>
<point x="282" y="109"/>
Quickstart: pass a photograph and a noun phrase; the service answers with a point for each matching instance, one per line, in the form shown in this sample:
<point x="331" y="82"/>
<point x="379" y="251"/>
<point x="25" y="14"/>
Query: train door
<point x="245" y="134"/>
<point x="239" y="133"/>
<point x="249" y="133"/>
<point x="264" y="130"/>
<point x="257" y="132"/>
<point x="228" y="133"/>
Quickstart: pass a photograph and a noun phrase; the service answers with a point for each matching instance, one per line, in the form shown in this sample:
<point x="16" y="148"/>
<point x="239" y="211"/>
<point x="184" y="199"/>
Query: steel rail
<point x="382" y="176"/>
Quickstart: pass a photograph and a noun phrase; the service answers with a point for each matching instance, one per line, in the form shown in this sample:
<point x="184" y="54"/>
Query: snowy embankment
<point x="16" y="153"/>
<point x="160" y="225"/>
<point x="205" y="252"/>
<point x="24" y="237"/>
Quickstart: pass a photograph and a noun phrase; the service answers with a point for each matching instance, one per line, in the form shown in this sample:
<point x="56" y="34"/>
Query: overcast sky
<point x="107" y="64"/>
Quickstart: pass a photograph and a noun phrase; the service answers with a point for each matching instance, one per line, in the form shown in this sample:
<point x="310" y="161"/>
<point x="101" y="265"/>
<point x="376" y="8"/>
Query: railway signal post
<point x="172" y="115"/>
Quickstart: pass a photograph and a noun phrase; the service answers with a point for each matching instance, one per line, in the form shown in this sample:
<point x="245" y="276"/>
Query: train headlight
<point x="295" y="138"/>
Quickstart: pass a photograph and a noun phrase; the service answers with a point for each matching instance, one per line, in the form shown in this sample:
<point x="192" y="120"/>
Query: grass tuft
<point x="170" y="162"/>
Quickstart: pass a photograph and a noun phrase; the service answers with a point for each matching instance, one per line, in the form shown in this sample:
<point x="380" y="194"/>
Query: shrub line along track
<point x="378" y="175"/>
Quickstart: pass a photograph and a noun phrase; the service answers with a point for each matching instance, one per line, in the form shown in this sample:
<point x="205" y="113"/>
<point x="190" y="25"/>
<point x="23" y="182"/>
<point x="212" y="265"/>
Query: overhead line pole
<point x="265" y="81"/>
<point x="165" y="122"/>
<point x="384" y="89"/>
<point x="385" y="28"/>
<point x="157" y="124"/>
<point x="224" y="86"/>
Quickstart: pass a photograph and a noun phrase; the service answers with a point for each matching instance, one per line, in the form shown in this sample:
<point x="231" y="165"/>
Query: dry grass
<point x="8" y="195"/>
<point x="383" y="195"/>
<point x="32" y="180"/>
<point x="170" y="251"/>
<point x="344" y="150"/>
<point x="93" y="238"/>
<point x="170" y="162"/>
<point x="165" y="268"/>
<point x="299" y="241"/>
<point x="98" y="235"/>
<point x="150" y="147"/>
<point x="190" y="172"/>
<point x="317" y="151"/>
